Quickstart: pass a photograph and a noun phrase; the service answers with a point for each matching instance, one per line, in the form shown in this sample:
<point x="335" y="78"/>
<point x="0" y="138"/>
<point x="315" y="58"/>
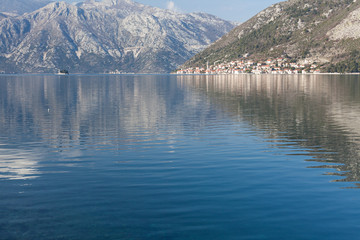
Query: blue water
<point x="179" y="157"/>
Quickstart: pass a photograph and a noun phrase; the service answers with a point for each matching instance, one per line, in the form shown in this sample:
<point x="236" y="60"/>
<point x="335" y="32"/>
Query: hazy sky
<point x="234" y="10"/>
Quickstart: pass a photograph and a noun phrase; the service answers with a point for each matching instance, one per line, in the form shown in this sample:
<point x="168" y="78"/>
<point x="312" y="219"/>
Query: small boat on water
<point x="63" y="72"/>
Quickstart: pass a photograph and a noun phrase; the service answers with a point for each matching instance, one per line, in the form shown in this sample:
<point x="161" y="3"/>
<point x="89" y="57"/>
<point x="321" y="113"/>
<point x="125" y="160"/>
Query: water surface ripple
<point x="179" y="157"/>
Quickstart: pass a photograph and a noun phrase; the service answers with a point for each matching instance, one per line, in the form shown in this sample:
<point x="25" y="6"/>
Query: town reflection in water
<point x="316" y="112"/>
<point x="69" y="113"/>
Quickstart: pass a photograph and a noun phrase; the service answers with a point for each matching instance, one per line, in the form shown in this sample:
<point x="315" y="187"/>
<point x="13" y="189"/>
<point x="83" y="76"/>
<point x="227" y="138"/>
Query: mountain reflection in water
<point x="179" y="157"/>
<point x="70" y="114"/>
<point x="317" y="112"/>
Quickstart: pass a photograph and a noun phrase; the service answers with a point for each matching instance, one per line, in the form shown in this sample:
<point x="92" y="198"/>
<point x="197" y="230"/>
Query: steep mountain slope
<point x="320" y="31"/>
<point x="3" y="15"/>
<point x="21" y="6"/>
<point x="104" y="36"/>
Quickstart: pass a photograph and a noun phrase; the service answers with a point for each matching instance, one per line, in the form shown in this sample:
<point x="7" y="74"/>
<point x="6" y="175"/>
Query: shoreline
<point x="281" y="74"/>
<point x="172" y="74"/>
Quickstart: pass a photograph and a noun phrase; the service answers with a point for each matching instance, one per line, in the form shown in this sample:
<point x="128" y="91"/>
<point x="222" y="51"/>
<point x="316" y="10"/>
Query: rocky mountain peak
<point x="118" y="2"/>
<point x="112" y="35"/>
<point x="112" y="3"/>
<point x="53" y="12"/>
<point x="55" y="7"/>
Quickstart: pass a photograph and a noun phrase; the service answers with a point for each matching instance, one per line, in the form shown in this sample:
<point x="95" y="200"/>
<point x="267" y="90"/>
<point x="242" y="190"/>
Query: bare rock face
<point x="97" y="37"/>
<point x="348" y="28"/>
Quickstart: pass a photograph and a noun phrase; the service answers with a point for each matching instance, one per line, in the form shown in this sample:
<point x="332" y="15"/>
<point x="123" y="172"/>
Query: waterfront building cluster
<point x="270" y="66"/>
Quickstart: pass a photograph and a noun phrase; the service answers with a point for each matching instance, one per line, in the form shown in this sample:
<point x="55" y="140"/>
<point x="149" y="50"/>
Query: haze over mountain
<point x="326" y="32"/>
<point x="21" y="6"/>
<point x="104" y="36"/>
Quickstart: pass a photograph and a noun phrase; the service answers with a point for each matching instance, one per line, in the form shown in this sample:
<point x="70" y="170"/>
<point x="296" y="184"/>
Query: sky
<point x="233" y="10"/>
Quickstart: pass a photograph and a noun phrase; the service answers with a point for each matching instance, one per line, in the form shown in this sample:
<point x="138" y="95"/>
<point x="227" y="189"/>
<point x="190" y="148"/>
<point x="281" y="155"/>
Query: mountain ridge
<point x="112" y="35"/>
<point x="299" y="30"/>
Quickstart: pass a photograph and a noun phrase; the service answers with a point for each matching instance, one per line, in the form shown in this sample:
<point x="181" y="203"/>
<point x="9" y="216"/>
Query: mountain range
<point x="107" y="36"/>
<point x="305" y="31"/>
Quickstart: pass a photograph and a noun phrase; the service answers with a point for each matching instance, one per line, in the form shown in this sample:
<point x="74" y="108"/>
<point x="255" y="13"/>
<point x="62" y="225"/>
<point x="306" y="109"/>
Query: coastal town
<point x="270" y="66"/>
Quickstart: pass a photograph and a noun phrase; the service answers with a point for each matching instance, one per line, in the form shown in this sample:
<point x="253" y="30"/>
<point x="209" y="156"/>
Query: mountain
<point x="21" y="6"/>
<point x="322" y="31"/>
<point x="112" y="35"/>
<point x="3" y="15"/>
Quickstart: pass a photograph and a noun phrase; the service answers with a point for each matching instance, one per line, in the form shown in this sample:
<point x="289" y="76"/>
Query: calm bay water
<point x="179" y="157"/>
